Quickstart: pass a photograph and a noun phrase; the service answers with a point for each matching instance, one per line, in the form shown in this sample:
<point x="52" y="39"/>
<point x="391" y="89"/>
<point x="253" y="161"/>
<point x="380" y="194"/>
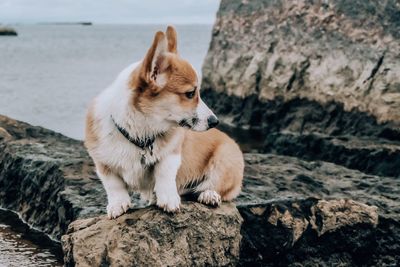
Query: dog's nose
<point x="212" y="121"/>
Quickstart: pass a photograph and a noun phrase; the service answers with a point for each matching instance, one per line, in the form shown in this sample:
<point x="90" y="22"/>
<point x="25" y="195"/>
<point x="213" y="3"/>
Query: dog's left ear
<point x="156" y="61"/>
<point x="172" y="40"/>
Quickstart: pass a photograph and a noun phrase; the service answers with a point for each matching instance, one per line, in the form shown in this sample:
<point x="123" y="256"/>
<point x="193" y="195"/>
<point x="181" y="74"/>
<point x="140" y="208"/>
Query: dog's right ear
<point x="155" y="61"/>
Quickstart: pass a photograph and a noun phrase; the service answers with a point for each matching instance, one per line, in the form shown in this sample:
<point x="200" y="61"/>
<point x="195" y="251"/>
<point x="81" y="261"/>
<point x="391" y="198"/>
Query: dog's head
<point x="167" y="87"/>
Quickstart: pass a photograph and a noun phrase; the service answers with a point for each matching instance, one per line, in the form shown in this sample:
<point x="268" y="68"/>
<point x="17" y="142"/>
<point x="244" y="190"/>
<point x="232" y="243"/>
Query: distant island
<point x="84" y="23"/>
<point x="7" y="31"/>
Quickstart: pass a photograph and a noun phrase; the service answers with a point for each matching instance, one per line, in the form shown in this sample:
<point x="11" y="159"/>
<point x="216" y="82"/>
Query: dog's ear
<point x="156" y="60"/>
<point x="172" y="40"/>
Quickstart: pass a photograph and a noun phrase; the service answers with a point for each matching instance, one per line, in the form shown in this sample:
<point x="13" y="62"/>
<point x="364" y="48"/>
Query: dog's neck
<point x="138" y="125"/>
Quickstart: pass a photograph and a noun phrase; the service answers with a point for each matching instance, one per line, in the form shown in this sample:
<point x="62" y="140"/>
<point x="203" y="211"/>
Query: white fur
<point x="210" y="197"/>
<point x="115" y="150"/>
<point x="202" y="113"/>
<point x="165" y="183"/>
<point x="119" y="200"/>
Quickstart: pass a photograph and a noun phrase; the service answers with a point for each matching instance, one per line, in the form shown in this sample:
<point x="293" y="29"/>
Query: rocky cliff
<point x="319" y="78"/>
<point x="290" y="212"/>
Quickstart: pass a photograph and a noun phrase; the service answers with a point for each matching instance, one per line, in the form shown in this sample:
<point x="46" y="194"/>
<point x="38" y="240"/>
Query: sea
<point x="49" y="73"/>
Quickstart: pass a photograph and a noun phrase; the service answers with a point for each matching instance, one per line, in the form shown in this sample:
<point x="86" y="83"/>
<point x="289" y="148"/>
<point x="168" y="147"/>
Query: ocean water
<point x="22" y="246"/>
<point x="49" y="73"/>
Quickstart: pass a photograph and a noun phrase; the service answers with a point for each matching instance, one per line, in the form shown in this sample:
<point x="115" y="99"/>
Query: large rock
<point x="314" y="232"/>
<point x="197" y="236"/>
<point x="315" y="76"/>
<point x="276" y="233"/>
<point x="269" y="177"/>
<point x="334" y="50"/>
<point x="48" y="179"/>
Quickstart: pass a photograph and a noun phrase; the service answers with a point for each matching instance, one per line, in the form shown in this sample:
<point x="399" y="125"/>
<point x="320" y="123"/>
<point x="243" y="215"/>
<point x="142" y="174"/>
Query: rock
<point x="332" y="51"/>
<point x="313" y="232"/>
<point x="302" y="231"/>
<point x="289" y="207"/>
<point x="46" y="177"/>
<point x="272" y="177"/>
<point x="283" y="226"/>
<point x="197" y="236"/>
<point x="7" y="31"/>
<point x="310" y="74"/>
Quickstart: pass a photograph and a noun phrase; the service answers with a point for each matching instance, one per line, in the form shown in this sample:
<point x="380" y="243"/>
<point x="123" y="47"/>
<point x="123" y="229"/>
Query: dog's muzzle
<point x="212" y="121"/>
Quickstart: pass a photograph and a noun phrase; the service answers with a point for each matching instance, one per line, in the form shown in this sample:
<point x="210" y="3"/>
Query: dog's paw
<point x="210" y="197"/>
<point x="117" y="207"/>
<point x="169" y="202"/>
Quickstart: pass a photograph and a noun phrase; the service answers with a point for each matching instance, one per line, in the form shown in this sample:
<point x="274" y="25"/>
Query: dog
<point x="150" y="131"/>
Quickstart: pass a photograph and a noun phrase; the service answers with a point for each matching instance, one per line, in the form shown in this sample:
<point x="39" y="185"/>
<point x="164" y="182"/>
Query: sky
<point x="109" y="11"/>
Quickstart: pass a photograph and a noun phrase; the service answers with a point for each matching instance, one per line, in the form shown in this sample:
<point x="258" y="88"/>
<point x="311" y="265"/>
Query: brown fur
<point x="172" y="40"/>
<point x="202" y="152"/>
<point x="91" y="138"/>
<point x="104" y="169"/>
<point x="179" y="73"/>
<point x="205" y="151"/>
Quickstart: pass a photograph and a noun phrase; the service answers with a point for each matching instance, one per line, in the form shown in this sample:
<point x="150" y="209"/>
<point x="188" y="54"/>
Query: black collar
<point x="146" y="143"/>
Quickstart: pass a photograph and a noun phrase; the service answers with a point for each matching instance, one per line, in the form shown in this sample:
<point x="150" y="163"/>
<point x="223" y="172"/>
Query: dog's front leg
<point x="165" y="183"/>
<point x="118" y="197"/>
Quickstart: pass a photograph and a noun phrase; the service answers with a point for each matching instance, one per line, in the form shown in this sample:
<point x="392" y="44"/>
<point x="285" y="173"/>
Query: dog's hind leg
<point x="223" y="178"/>
<point x="209" y="197"/>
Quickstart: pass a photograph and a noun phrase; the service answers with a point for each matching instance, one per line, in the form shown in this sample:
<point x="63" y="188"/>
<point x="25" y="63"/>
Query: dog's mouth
<point x="188" y="123"/>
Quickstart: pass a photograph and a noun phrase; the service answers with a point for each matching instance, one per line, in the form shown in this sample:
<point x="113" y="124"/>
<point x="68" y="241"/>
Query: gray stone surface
<point x="48" y="179"/>
<point x="273" y="177"/>
<point x="336" y="50"/>
<point x="196" y="236"/>
<point x="313" y="232"/>
<point x="319" y="79"/>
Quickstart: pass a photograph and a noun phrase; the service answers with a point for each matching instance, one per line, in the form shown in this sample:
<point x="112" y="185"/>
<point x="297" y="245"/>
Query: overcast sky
<point x="109" y="11"/>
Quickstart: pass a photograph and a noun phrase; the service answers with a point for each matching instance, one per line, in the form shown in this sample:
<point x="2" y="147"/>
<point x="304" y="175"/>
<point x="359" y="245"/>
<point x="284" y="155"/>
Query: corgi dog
<point x="151" y="132"/>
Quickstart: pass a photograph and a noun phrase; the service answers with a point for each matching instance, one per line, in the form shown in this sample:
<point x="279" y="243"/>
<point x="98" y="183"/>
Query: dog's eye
<point x="190" y="94"/>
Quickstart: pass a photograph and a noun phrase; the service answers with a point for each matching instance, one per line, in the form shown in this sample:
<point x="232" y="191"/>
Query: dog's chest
<point x="136" y="165"/>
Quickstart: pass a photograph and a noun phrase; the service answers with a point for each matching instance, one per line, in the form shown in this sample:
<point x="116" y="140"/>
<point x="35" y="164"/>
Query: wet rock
<point x="197" y="236"/>
<point x="309" y="72"/>
<point x="46" y="177"/>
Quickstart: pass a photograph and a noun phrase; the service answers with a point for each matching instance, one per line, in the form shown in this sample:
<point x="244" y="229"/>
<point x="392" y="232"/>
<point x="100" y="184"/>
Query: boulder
<point x="276" y="233"/>
<point x="288" y="208"/>
<point x="46" y="177"/>
<point x="197" y="236"/>
<point x="318" y="78"/>
<point x="313" y="232"/>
